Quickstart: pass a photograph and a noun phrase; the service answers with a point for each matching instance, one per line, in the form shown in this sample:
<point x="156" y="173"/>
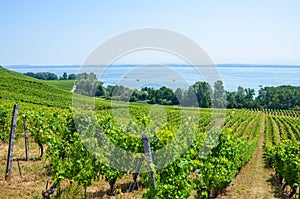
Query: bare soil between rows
<point x="256" y="179"/>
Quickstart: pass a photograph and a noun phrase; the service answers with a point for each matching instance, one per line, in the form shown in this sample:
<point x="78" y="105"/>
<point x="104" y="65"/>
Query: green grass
<point x="62" y="84"/>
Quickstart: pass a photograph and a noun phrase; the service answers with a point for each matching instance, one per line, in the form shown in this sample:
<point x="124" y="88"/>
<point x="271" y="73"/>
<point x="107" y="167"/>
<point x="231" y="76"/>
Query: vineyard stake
<point x="148" y="155"/>
<point x="26" y="139"/>
<point x="11" y="142"/>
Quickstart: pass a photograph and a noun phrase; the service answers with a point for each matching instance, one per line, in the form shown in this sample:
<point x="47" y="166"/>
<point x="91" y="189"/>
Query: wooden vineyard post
<point x="26" y="139"/>
<point x="11" y="142"/>
<point x="149" y="159"/>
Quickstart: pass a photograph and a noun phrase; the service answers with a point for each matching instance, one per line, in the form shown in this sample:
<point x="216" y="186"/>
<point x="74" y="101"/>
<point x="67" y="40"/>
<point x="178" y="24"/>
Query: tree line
<point x="51" y="76"/>
<point x="281" y="97"/>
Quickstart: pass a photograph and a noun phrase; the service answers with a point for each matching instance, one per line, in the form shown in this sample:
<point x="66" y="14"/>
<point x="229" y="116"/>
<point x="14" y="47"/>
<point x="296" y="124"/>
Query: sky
<point x="66" y="32"/>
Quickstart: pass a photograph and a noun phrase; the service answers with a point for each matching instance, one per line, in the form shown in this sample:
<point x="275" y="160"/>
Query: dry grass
<point x="35" y="176"/>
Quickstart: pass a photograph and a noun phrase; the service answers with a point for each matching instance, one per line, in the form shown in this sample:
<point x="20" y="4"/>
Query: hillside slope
<point x="20" y="88"/>
<point x="66" y="85"/>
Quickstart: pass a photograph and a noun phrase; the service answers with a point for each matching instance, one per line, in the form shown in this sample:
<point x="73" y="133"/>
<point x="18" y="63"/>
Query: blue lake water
<point x="247" y="76"/>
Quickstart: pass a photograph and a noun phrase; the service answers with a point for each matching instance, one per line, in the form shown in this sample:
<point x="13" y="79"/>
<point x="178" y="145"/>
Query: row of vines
<point x="282" y="149"/>
<point x="203" y="160"/>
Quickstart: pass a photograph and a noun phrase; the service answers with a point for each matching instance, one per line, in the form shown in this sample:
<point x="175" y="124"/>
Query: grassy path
<point x="255" y="180"/>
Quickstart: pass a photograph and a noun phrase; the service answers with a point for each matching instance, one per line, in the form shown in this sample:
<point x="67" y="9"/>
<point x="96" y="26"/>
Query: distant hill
<point x="20" y="88"/>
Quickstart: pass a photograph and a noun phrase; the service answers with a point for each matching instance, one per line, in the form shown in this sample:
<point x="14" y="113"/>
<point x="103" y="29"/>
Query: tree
<point x="249" y="95"/>
<point x="87" y="84"/>
<point x="72" y="76"/>
<point x="100" y="90"/>
<point x="219" y="100"/>
<point x="179" y="95"/>
<point x="65" y="76"/>
<point x="190" y="98"/>
<point x="120" y="93"/>
<point x="165" y="96"/>
<point x="240" y="97"/>
<point x="42" y="75"/>
<point x="231" y="102"/>
<point x="203" y="93"/>
<point x="281" y="97"/>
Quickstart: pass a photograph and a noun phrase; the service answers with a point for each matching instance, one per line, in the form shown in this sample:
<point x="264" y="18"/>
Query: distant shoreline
<point x="166" y="64"/>
<point x="233" y="75"/>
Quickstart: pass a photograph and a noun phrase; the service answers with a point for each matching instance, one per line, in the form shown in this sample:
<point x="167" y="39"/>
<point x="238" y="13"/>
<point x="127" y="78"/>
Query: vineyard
<point x="63" y="84"/>
<point x="211" y="159"/>
<point x="282" y="145"/>
<point x="197" y="152"/>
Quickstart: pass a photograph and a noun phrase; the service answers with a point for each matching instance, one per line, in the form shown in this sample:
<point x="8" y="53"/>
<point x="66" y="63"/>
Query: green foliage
<point x="285" y="158"/>
<point x="4" y="124"/>
<point x="203" y="93"/>
<point x="42" y="75"/>
<point x="219" y="100"/>
<point x="64" y="76"/>
<point x="62" y="84"/>
<point x="71" y="159"/>
<point x="199" y="94"/>
<point x="12" y="74"/>
<point x="88" y="84"/>
<point x="210" y="162"/>
<point x="283" y="152"/>
<point x="281" y="97"/>
<point x="18" y="88"/>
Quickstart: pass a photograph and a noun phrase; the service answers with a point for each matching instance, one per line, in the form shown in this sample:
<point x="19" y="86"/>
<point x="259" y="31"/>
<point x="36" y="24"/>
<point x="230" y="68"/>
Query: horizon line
<point x="170" y="63"/>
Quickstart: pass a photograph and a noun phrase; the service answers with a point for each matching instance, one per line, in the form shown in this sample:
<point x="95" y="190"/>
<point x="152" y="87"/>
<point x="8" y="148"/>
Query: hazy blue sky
<point x="65" y="32"/>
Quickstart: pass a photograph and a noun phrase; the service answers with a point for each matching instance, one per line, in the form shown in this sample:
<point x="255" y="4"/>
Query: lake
<point x="232" y="75"/>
